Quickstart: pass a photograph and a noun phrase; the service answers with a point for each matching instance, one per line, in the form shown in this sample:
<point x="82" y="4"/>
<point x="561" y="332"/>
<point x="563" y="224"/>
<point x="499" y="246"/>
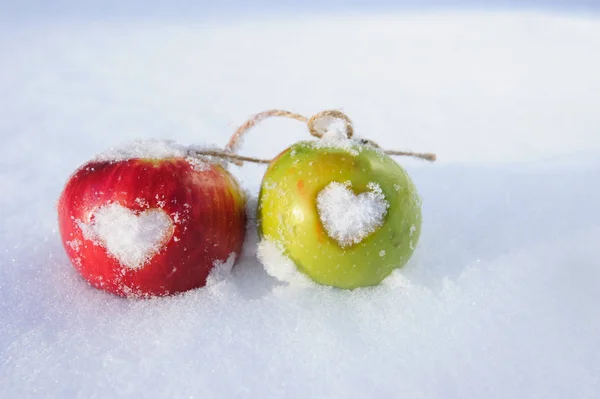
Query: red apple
<point x="146" y="225"/>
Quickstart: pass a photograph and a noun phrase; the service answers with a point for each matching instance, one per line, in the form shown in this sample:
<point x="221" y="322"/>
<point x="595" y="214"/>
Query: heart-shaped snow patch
<point x="348" y="218"/>
<point x="133" y="239"/>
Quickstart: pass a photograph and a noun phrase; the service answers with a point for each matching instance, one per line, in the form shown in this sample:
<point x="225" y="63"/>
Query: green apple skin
<point x="288" y="215"/>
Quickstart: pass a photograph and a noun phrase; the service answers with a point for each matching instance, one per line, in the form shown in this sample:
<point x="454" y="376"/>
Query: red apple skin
<point x="207" y="208"/>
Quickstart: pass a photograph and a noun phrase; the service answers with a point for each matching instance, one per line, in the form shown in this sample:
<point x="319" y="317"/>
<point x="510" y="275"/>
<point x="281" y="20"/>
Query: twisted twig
<point x="233" y="158"/>
<point x="236" y="139"/>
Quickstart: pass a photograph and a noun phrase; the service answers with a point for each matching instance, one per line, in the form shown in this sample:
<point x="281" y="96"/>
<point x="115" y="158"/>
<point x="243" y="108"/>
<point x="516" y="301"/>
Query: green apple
<point x="344" y="213"/>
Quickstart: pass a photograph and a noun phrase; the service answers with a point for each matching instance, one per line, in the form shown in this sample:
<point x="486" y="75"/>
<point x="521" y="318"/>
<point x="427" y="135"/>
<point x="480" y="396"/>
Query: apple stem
<point x="236" y="139"/>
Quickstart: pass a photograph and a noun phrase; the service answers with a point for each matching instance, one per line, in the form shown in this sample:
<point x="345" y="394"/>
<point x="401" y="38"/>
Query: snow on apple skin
<point x="154" y="149"/>
<point x="132" y="239"/>
<point x="360" y="250"/>
<point x="206" y="223"/>
<point x="347" y="217"/>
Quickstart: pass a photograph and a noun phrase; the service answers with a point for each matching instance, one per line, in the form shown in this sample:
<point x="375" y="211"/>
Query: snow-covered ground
<point x="501" y="298"/>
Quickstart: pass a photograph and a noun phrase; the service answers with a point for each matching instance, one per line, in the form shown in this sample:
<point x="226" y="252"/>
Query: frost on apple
<point x="198" y="164"/>
<point x="349" y="218"/>
<point x="336" y="141"/>
<point x="278" y="265"/>
<point x="154" y="149"/>
<point x="144" y="149"/>
<point x="335" y="137"/>
<point x="133" y="239"/>
<point x="74" y="245"/>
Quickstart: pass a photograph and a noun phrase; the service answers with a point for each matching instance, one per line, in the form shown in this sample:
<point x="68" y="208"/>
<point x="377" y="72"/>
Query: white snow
<point x="501" y="297"/>
<point x="133" y="239"/>
<point x="199" y="165"/>
<point x="335" y="139"/>
<point x="156" y="149"/>
<point x="332" y="128"/>
<point x="221" y="270"/>
<point x="146" y="149"/>
<point x="349" y="218"/>
<point x="278" y="265"/>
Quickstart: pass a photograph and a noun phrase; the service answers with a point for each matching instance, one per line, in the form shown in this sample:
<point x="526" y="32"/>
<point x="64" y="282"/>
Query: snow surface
<point x="278" y="265"/>
<point x="133" y="239"/>
<point x="221" y="270"/>
<point x="349" y="218"/>
<point x="501" y="297"/>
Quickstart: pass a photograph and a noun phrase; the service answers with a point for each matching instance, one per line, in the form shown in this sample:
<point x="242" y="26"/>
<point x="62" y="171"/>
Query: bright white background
<point x="501" y="297"/>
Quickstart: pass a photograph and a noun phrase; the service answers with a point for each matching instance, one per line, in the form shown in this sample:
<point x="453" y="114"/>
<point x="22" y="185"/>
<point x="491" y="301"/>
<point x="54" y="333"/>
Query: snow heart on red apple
<point x="338" y="210"/>
<point x="151" y="220"/>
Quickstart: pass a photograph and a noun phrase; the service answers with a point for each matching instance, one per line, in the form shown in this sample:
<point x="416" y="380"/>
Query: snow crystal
<point x="146" y="149"/>
<point x="349" y="218"/>
<point x="332" y="128"/>
<point x="198" y="164"/>
<point x="412" y="230"/>
<point x="278" y="265"/>
<point x="74" y="244"/>
<point x="337" y="141"/>
<point x="132" y="239"/>
<point x="221" y="270"/>
<point x="335" y="135"/>
<point x="141" y="202"/>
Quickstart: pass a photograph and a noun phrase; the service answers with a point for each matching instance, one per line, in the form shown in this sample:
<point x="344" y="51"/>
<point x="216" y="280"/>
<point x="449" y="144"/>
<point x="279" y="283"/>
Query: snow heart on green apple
<point x="340" y="210"/>
<point x="151" y="219"/>
<point x="345" y="215"/>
